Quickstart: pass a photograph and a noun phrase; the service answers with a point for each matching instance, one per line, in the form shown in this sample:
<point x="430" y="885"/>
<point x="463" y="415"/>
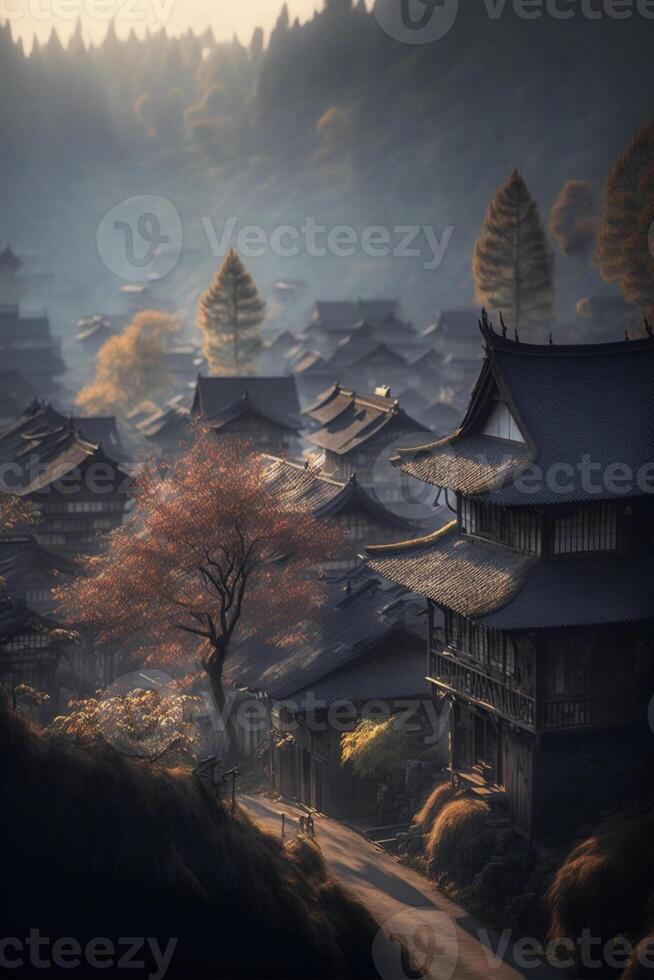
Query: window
<point x="519" y="529"/>
<point x="591" y="528"/>
<point x="501" y="424"/>
<point x="488" y="647"/>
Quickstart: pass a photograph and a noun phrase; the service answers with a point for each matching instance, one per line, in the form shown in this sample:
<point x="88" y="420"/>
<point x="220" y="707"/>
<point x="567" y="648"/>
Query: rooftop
<point x="502" y="589"/>
<point x="276" y="395"/>
<point x="349" y="420"/>
<point x="570" y="403"/>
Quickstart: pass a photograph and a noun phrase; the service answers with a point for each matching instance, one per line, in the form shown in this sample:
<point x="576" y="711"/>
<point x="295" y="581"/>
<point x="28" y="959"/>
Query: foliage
<point x="376" y="748"/>
<point x="206" y="553"/>
<point x="15" y="511"/>
<point x="437" y="799"/>
<point x="455" y="842"/>
<point x="230" y="314"/>
<point x="142" y="723"/>
<point x="512" y="263"/>
<point x="574" y="217"/>
<point x="148" y="851"/>
<point x="606" y="884"/>
<point x="625" y="247"/>
<point x="130" y="367"/>
<point x="24" y="694"/>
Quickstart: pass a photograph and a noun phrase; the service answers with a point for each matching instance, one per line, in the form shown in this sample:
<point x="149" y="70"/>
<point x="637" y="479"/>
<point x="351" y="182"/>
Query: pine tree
<point x="625" y="248"/>
<point x="230" y="314"/>
<point x="512" y="262"/>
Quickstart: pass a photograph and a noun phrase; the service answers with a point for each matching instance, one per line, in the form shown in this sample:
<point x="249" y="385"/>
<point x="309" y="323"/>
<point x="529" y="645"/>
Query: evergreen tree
<point x="512" y="263"/>
<point x="230" y="314"/>
<point x="625" y="248"/>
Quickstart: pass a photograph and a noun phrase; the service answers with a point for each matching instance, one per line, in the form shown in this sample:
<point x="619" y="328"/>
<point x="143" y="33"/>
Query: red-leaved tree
<point x="207" y="552"/>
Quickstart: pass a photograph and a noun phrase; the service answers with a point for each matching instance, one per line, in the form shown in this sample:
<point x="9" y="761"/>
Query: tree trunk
<point x="214" y="667"/>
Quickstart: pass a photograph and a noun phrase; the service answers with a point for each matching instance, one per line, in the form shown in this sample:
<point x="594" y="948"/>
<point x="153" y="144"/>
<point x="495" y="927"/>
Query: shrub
<point x="375" y="748"/>
<point x="605" y="883"/>
<point x="441" y="795"/>
<point x="455" y="842"/>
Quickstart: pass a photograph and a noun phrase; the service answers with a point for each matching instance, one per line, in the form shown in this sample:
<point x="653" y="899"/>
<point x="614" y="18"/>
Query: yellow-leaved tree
<point x="131" y="367"/>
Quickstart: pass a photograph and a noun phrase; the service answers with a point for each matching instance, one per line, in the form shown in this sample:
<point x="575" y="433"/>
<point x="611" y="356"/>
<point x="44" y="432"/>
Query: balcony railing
<point x="611" y="709"/>
<point x="484" y="690"/>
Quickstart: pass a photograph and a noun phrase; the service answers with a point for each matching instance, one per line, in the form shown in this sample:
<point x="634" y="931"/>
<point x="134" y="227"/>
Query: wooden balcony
<point x="612" y="709"/>
<point x="451" y="674"/>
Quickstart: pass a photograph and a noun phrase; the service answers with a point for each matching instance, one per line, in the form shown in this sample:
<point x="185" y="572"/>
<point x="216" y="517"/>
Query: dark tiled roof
<point x="470" y="577"/>
<point x="25" y="564"/>
<point x="580" y="592"/>
<point x="277" y="395"/>
<point x="574" y="402"/>
<point x="393" y="675"/>
<point x="360" y="614"/>
<point x="247" y="406"/>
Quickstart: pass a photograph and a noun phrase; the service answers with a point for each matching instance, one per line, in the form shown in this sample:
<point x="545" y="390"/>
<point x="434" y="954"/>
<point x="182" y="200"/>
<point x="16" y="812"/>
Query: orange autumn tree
<point x="207" y="552"/>
<point x="15" y="511"/>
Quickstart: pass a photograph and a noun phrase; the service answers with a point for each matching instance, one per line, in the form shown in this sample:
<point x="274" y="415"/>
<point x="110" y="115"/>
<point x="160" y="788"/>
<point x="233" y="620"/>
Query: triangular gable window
<point x="502" y="425"/>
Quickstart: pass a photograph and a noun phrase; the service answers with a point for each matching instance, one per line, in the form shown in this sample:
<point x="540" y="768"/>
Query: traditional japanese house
<point x="16" y="393"/>
<point x="79" y="489"/>
<point x="358" y="434"/>
<point x="364" y="656"/>
<point x="362" y="517"/>
<point x="168" y="429"/>
<point x="31" y="649"/>
<point x="545" y="577"/>
<point x="264" y="412"/>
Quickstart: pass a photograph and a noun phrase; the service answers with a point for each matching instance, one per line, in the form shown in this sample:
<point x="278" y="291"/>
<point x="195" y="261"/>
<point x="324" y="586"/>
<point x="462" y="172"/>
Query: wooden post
<point x="283" y="825"/>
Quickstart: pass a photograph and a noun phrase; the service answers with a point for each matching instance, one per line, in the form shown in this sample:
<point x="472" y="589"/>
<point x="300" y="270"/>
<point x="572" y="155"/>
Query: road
<point x="437" y="931"/>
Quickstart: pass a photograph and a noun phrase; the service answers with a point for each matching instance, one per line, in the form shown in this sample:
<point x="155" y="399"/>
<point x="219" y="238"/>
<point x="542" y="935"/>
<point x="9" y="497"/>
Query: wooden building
<point x="359" y="434"/>
<point x="28" y="348"/>
<point x="79" y="489"/>
<point x="346" y="502"/>
<point x="545" y="578"/>
<point x="263" y="411"/>
<point x="365" y="649"/>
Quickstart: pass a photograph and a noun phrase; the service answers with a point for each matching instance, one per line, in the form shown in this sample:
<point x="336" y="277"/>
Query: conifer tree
<point x="512" y="262"/>
<point x="625" y="247"/>
<point x="230" y="314"/>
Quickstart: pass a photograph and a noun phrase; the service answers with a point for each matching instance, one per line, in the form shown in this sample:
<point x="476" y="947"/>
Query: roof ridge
<point x="397" y="546"/>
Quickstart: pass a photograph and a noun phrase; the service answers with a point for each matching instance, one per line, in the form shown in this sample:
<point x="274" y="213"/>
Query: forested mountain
<point x="332" y="119"/>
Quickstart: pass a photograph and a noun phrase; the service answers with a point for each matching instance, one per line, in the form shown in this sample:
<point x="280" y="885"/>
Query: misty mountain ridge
<point x="333" y="120"/>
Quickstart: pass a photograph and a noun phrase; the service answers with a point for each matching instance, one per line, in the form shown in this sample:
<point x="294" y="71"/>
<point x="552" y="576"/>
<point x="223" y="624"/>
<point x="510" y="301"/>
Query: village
<point x="326" y="580"/>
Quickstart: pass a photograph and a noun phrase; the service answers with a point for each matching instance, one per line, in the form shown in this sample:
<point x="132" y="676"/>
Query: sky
<point x="30" y="18"/>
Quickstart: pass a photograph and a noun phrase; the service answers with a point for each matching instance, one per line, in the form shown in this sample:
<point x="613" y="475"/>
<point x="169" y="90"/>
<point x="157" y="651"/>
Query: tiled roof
<point x="502" y="589"/>
<point x="277" y="395"/>
<point x="470" y="577"/>
<point x="350" y="420"/>
<point x="360" y="614"/>
<point x="581" y="402"/>
<point x="24" y="563"/>
<point x="470" y="464"/>
<point x="391" y="675"/>
<point x="324" y="494"/>
<point x="247" y="405"/>
<point x="49" y="447"/>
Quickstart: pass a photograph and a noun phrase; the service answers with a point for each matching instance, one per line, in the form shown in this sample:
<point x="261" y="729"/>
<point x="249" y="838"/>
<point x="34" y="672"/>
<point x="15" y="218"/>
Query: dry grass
<point x="454" y="843"/>
<point x="605" y="883"/>
<point x="443" y="793"/>
<point x="111" y="847"/>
